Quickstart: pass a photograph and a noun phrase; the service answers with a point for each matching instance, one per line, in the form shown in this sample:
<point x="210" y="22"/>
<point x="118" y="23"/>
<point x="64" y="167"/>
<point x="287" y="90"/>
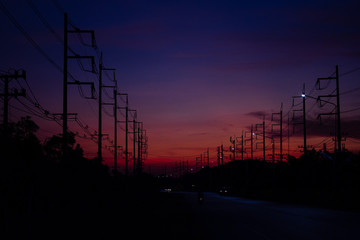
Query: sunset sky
<point x="197" y="72"/>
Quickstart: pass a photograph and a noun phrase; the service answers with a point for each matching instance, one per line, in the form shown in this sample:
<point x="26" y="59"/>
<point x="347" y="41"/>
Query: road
<point x="222" y="217"/>
<point x="178" y="216"/>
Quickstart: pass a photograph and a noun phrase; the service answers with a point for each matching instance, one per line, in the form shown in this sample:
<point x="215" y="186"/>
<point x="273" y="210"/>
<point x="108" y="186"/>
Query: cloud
<point x="257" y="114"/>
<point x="349" y="127"/>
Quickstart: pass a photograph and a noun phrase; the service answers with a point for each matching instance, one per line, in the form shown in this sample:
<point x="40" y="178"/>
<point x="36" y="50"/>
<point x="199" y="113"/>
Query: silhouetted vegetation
<point x="44" y="195"/>
<point x="316" y="178"/>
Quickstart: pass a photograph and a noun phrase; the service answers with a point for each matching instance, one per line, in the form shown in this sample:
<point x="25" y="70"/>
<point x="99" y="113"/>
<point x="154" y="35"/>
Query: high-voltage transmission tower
<point x="65" y="73"/>
<point x="14" y="93"/>
<point x="337" y="113"/>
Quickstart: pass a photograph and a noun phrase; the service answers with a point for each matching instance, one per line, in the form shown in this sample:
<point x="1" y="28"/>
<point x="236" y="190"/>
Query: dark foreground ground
<point x="178" y="215"/>
<point x="122" y="214"/>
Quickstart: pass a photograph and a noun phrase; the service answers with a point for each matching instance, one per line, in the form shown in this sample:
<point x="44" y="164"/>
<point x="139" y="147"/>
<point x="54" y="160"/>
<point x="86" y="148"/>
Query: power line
<point x="350" y="91"/>
<point x="32" y="41"/>
<point x="28" y="37"/>
<point x="352" y="110"/>
<point x="44" y="21"/>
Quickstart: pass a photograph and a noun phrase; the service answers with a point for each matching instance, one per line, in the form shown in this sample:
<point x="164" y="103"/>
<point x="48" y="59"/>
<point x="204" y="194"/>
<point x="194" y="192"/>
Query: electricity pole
<point x="222" y="154"/>
<point x="338" y="119"/>
<point x="252" y="145"/>
<point x="126" y="138"/>
<point x="134" y="140"/>
<point x="264" y="138"/>
<point x="242" y="145"/>
<point x="303" y="122"/>
<point x="304" y="118"/>
<point x="140" y="146"/>
<point x="251" y="140"/>
<point x="338" y="109"/>
<point x="281" y="132"/>
<point x="101" y="86"/>
<point x="208" y="157"/>
<point x="100" y="111"/>
<point x="65" y="92"/>
<point x="126" y="131"/>
<point x="65" y="77"/>
<point x="7" y="94"/>
<point x="115" y="127"/>
<point x="233" y="149"/>
<point x="263" y="130"/>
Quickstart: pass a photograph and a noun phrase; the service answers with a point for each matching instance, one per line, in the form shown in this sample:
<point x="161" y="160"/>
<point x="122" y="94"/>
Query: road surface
<point x="221" y="217"/>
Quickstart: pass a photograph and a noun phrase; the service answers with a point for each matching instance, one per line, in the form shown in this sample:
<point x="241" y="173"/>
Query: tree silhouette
<point x="19" y="143"/>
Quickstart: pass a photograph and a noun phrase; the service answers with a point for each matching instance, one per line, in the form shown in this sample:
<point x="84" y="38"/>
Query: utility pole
<point x="242" y="145"/>
<point x="65" y="90"/>
<point x="65" y="77"/>
<point x="101" y="103"/>
<point x="264" y="138"/>
<point x="252" y="144"/>
<point x="222" y="154"/>
<point x="273" y="150"/>
<point x="288" y="146"/>
<point x="263" y="134"/>
<point x="115" y="127"/>
<point x="134" y="140"/>
<point x="144" y="146"/>
<point x="208" y="157"/>
<point x="338" y="119"/>
<point x="233" y="149"/>
<point x="114" y="87"/>
<point x="140" y="146"/>
<point x="303" y="96"/>
<point x="304" y="118"/>
<point x="100" y="111"/>
<point x="126" y="136"/>
<point x="7" y="94"/>
<point x="281" y="132"/>
<point x="251" y="140"/>
<point x="338" y="109"/>
<point x="126" y="131"/>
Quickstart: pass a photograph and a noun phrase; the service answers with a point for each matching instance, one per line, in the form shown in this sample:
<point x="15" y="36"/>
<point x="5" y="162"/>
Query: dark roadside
<point x="115" y="208"/>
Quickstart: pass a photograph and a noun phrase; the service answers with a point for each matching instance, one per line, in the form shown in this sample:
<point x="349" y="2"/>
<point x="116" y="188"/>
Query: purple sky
<point x="196" y="71"/>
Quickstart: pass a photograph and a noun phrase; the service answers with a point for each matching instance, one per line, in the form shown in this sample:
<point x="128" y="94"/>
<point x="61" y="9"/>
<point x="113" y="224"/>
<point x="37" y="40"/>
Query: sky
<point x="196" y="72"/>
